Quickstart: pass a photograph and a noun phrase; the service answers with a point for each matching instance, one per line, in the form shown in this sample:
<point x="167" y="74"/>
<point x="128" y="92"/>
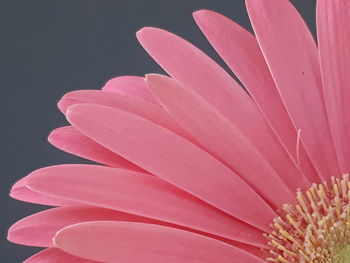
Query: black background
<point x="48" y="48"/>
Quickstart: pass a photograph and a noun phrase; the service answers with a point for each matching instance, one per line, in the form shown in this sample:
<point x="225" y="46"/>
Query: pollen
<point x="317" y="228"/>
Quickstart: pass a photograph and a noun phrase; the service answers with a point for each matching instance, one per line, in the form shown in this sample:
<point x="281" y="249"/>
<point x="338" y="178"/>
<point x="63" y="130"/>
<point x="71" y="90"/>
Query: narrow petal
<point x="241" y="52"/>
<point x="133" y="86"/>
<point x="72" y="141"/>
<point x="139" y="194"/>
<point x="291" y="54"/>
<point x="39" y="229"/>
<point x="222" y="139"/>
<point x="135" y="106"/>
<point x="140" y="243"/>
<point x="55" y="255"/>
<point x="334" y="40"/>
<point x="20" y="192"/>
<point x="171" y="158"/>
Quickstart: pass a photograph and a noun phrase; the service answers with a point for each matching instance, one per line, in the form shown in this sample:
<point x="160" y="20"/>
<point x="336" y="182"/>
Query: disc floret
<point x="317" y="228"/>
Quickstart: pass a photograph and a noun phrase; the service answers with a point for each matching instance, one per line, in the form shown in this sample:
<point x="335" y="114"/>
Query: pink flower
<point x="196" y="170"/>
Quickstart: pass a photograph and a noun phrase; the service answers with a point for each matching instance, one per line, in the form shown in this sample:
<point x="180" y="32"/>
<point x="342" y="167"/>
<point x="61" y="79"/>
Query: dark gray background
<point x="48" y="48"/>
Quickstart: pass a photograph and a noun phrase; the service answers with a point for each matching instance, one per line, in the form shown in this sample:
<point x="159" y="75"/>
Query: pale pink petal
<point x="135" y="106"/>
<point x="223" y="140"/>
<point x="20" y="192"/>
<point x="333" y="31"/>
<point x="172" y="158"/>
<point x="55" y="255"/>
<point x="139" y="194"/>
<point x="241" y="51"/>
<point x="72" y="141"/>
<point x="140" y="243"/>
<point x="133" y="86"/>
<point x="39" y="229"/>
<point x="291" y="55"/>
<point x="190" y="66"/>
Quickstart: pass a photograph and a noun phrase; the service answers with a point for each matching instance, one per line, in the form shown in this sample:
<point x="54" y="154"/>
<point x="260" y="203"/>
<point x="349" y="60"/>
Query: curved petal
<point x="39" y="229"/>
<point x="139" y="194"/>
<point x="291" y="55"/>
<point x="70" y="140"/>
<point x="55" y="255"/>
<point x="133" y="86"/>
<point x="171" y="158"/>
<point x="241" y="52"/>
<point x="140" y="243"/>
<point x="224" y="141"/>
<point x="135" y="106"/>
<point x="333" y="34"/>
<point x="190" y="66"/>
<point x="21" y="192"/>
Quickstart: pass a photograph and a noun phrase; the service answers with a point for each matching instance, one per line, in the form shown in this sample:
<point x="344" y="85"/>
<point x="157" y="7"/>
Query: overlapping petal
<point x="132" y="86"/>
<point x="135" y="106"/>
<point x="208" y="127"/>
<point x="171" y="158"/>
<point x="191" y="67"/>
<point x="291" y="54"/>
<point x="39" y="229"/>
<point x="21" y="192"/>
<point x="155" y="244"/>
<point x="241" y="51"/>
<point x="138" y="194"/>
<point x="72" y="141"/>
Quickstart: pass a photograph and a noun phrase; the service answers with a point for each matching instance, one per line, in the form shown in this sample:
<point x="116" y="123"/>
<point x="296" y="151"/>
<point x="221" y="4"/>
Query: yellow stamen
<point x="317" y="228"/>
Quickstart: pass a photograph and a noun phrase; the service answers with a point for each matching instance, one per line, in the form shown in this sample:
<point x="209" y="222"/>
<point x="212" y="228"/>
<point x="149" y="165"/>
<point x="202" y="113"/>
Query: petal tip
<point x="71" y="110"/>
<point x="62" y="105"/>
<point x="55" y="136"/>
<point x="146" y="34"/>
<point x="65" y="102"/>
<point x="153" y="76"/>
<point x="60" y="238"/>
<point x="202" y="13"/>
<point x="14" y="233"/>
<point x="52" y="137"/>
<point x="9" y="236"/>
<point x="77" y="111"/>
<point x="142" y="32"/>
<point x="157" y="81"/>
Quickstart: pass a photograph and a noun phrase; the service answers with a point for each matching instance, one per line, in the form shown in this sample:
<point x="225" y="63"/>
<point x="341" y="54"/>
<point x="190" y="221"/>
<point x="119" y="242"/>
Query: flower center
<point x="317" y="228"/>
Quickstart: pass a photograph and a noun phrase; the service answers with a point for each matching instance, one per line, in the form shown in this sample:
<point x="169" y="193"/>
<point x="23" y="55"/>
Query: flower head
<point x="195" y="169"/>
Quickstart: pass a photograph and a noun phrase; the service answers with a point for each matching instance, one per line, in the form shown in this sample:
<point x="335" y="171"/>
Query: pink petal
<point x="135" y="106"/>
<point x="222" y="139"/>
<point x="291" y="54"/>
<point x="140" y="243"/>
<point x="72" y="141"/>
<point x="334" y="41"/>
<point x="20" y="192"/>
<point x="39" y="229"/>
<point x="139" y="194"/>
<point x="172" y="158"/>
<point x="241" y="51"/>
<point x="55" y="255"/>
<point x="133" y="86"/>
<point x="196" y="71"/>
<point x="187" y="64"/>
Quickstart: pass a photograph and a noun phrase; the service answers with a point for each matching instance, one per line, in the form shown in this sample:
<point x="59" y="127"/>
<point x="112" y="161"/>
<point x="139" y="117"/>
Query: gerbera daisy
<point x="194" y="168"/>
